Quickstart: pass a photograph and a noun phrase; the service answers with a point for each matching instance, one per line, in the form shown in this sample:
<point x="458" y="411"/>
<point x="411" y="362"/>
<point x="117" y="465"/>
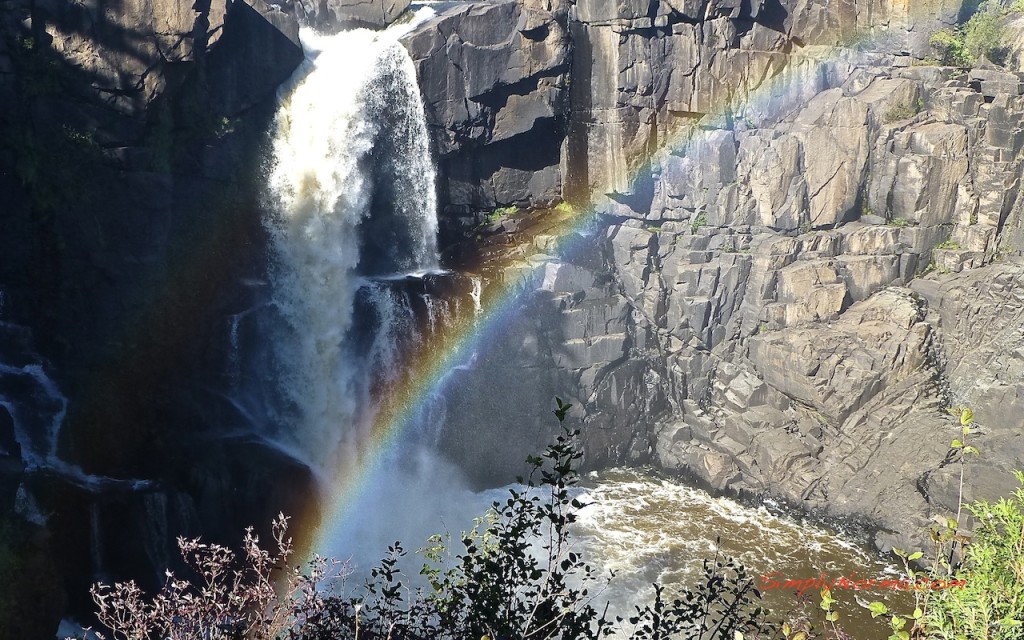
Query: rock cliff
<point x="805" y="248"/>
<point x="340" y="14"/>
<point x="129" y="137"/>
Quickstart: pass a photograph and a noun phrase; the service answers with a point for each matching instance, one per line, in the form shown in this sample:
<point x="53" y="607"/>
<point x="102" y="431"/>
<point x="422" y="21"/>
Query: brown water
<point x="649" y="529"/>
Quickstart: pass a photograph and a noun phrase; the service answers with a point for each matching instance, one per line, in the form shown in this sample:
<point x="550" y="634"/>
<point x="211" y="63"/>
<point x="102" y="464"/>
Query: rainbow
<point x="782" y="91"/>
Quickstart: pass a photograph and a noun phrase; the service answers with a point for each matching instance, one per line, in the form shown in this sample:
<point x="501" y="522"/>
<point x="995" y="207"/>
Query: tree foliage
<point x="983" y="36"/>
<point x="991" y="603"/>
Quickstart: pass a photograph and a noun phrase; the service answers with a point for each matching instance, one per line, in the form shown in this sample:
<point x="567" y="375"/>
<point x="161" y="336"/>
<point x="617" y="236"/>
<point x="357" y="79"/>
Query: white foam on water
<point x="649" y="529"/>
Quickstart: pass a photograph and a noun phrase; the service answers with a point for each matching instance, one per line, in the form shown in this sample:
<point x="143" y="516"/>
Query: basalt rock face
<point x="801" y="257"/>
<point x="131" y="136"/>
<point x="510" y="131"/>
<point x="838" y="362"/>
<point x="493" y="78"/>
<point x="335" y="14"/>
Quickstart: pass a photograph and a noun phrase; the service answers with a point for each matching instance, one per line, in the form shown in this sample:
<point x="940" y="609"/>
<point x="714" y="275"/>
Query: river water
<point x="648" y="528"/>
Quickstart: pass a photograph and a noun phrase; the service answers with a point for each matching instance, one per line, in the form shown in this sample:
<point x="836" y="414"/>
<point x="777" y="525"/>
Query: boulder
<point x="493" y="78"/>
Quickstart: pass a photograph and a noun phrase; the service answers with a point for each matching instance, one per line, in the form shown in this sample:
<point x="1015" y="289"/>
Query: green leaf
<point x="877" y="609"/>
<point x="786" y="629"/>
<point x="918" y="613"/>
<point x="972" y="449"/>
<point x="956" y="444"/>
<point x="966" y="417"/>
<point x="799" y="635"/>
<point x="915" y="556"/>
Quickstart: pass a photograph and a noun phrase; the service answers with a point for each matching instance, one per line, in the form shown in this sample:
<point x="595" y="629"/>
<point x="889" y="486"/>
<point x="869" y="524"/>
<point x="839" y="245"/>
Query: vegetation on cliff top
<point x="983" y="36"/>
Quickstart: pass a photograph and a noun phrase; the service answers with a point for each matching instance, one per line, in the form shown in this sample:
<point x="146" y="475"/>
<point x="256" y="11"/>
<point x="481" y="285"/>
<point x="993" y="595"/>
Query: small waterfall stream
<point x="32" y="413"/>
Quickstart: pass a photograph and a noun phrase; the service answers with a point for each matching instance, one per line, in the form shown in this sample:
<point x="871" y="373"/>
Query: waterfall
<point x="28" y="396"/>
<point x="475" y="294"/>
<point x="95" y="541"/>
<point x="352" y="199"/>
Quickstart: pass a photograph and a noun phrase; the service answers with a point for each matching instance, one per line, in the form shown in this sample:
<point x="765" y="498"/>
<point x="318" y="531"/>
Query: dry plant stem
<point x="959" y="510"/>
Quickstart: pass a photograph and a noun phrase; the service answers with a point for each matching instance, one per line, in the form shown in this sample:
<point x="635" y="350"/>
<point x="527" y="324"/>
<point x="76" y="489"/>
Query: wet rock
<point x="9" y="446"/>
<point x="32" y="598"/>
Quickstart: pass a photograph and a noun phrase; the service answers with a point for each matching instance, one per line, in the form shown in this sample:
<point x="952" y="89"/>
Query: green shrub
<point x="900" y="111"/>
<point x="949" y="48"/>
<point x="700" y="221"/>
<point x="984" y="35"/>
<point x="982" y="597"/>
<point x="501" y="212"/>
<point x="991" y="603"/>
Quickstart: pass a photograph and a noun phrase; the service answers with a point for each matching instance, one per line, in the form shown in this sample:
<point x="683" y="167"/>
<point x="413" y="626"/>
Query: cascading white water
<point x="37" y="426"/>
<point x="475" y="294"/>
<point x="394" y="320"/>
<point x="352" y="189"/>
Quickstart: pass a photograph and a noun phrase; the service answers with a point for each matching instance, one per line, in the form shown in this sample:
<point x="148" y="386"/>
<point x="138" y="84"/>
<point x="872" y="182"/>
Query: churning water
<point x="649" y="529"/>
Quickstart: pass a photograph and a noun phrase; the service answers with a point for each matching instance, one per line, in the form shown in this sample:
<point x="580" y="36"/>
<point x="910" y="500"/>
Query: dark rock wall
<point x="331" y="15"/>
<point x="133" y="147"/>
<point x="131" y="139"/>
